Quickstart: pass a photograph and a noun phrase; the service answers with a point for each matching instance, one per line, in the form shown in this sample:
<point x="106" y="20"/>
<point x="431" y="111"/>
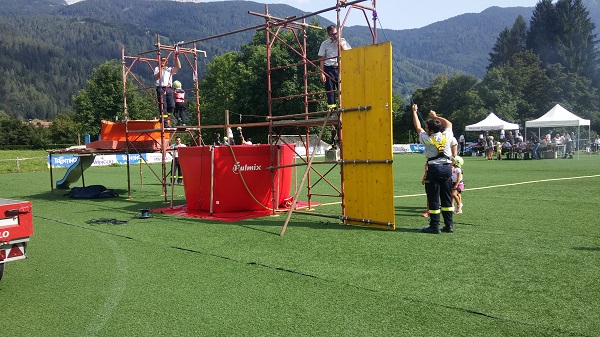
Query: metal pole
<point x="306" y="173"/>
<point x="81" y="167"/>
<point x="196" y="87"/>
<point x="226" y="127"/>
<point x="273" y="146"/>
<point x="212" y="181"/>
<point x="51" y="178"/>
<point x="163" y="150"/>
<point x="126" y="117"/>
<point x="375" y="22"/>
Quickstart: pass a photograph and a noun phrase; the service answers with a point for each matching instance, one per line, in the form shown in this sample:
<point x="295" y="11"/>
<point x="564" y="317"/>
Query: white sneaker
<point x="459" y="211"/>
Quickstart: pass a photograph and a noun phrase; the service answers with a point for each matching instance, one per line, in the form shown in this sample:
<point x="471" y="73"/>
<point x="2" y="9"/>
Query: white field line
<point x="486" y="187"/>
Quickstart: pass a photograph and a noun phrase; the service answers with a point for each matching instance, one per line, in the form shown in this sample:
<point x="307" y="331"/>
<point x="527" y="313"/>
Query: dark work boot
<point x="448" y="222"/>
<point x="431" y="230"/>
<point x="448" y="229"/>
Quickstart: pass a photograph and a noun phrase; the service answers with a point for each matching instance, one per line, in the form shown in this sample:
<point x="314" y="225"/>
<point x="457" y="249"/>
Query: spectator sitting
<point x="544" y="144"/>
<point x="507" y="148"/>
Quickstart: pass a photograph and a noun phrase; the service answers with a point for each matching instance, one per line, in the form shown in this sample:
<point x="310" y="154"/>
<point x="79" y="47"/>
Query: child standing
<point x="180" y="106"/>
<point x="489" y="148"/>
<point x="457" y="183"/>
<point x="498" y="151"/>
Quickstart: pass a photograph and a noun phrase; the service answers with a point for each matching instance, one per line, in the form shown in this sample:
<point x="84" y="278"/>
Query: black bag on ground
<point x="91" y="192"/>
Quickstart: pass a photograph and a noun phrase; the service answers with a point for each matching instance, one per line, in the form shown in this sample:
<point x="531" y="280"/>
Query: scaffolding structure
<point x="277" y="124"/>
<point x="127" y="63"/>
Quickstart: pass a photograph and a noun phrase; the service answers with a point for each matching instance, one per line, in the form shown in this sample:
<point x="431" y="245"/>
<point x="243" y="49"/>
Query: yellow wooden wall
<point x="366" y="80"/>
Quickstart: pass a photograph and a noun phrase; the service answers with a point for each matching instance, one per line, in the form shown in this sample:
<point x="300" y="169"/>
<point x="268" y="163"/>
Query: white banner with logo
<point x="66" y="160"/>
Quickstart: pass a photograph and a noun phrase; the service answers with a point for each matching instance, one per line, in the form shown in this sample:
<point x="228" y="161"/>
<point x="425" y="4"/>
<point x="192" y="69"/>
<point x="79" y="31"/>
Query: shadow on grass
<point x="405" y="211"/>
<point x="64" y="195"/>
<point x="416" y="219"/>
<point x="115" y="207"/>
<point x="408" y="230"/>
<point x="589" y="249"/>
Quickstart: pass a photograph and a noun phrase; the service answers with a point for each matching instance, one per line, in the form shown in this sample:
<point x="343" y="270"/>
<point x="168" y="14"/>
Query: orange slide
<point x="143" y="135"/>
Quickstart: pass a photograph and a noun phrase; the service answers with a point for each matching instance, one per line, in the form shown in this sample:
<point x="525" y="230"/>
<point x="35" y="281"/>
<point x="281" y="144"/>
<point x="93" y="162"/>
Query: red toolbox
<point x="16" y="226"/>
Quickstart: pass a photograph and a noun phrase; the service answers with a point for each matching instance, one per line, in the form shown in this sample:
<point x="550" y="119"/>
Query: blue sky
<point x="398" y="14"/>
<point x="404" y="14"/>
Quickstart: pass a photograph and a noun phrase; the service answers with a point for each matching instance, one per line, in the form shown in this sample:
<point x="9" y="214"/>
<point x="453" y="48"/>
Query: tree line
<point x="49" y="49"/>
<point x="553" y="59"/>
<point x="532" y="67"/>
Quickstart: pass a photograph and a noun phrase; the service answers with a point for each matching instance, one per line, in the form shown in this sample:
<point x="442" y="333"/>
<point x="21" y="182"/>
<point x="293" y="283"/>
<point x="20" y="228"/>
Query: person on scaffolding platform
<point x="176" y="168"/>
<point x="437" y="138"/>
<point x="330" y="73"/>
<point x="164" y="90"/>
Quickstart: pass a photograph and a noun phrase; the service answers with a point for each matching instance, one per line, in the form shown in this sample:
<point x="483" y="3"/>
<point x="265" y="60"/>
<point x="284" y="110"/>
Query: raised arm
<point x="177" y="65"/>
<point x="416" y="121"/>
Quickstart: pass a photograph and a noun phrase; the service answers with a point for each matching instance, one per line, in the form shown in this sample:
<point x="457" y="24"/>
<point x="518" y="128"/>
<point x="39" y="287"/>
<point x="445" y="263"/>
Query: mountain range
<point x="49" y="47"/>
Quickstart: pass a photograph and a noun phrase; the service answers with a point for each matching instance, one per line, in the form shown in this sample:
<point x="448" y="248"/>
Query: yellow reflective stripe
<point x="434" y="211"/>
<point x="439" y="146"/>
<point x="447" y="209"/>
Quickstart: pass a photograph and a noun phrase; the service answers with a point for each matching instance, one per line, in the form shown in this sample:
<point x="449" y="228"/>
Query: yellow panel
<point x="366" y="80"/>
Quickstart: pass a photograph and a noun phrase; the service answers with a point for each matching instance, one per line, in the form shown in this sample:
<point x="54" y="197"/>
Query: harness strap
<point x="440" y="146"/>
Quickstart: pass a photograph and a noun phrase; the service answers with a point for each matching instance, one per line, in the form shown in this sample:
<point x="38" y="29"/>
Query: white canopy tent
<point x="492" y="122"/>
<point x="556" y="117"/>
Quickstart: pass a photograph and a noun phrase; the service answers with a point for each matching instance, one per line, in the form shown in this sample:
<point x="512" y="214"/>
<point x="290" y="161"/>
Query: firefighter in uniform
<point x="437" y="138"/>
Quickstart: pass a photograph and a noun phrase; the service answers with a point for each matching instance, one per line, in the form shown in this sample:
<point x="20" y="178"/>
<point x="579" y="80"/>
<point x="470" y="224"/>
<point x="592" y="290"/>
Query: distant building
<point x="38" y="123"/>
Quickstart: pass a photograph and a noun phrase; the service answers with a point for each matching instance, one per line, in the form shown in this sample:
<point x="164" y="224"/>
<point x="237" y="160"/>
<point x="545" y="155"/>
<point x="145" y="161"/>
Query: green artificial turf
<point x="522" y="262"/>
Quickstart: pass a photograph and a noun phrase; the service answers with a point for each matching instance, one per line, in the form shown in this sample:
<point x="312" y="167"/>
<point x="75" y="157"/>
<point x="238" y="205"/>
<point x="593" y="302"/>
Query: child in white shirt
<point x="457" y="183"/>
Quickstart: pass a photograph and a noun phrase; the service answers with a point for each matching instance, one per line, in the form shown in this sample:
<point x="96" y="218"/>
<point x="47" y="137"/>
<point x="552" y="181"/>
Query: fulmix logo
<point x="237" y="168"/>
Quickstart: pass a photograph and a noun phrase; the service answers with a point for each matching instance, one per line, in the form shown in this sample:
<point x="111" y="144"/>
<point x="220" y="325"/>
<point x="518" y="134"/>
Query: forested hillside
<point x="48" y="48"/>
<point x="445" y="47"/>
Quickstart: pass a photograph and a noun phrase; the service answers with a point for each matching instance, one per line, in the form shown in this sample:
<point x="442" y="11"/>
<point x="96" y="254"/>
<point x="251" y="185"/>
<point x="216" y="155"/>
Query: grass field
<point x="13" y="161"/>
<point x="524" y="261"/>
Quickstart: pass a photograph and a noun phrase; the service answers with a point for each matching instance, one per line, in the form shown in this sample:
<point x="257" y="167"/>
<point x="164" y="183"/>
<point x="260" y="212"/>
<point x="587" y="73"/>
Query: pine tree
<point x="563" y="33"/>
<point x="542" y="30"/>
<point x="509" y="43"/>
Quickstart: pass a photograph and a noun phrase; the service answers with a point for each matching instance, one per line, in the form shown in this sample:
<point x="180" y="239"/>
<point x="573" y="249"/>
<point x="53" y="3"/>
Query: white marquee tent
<point x="558" y="116"/>
<point x="492" y="122"/>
